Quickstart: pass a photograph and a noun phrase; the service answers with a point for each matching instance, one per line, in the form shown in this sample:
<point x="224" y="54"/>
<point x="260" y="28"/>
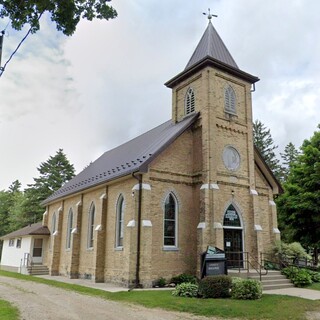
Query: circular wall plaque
<point x="231" y="158"/>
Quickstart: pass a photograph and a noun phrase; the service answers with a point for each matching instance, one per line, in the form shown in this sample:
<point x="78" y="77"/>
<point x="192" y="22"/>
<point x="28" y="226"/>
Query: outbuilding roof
<point x="133" y="156"/>
<point x="32" y="229"/>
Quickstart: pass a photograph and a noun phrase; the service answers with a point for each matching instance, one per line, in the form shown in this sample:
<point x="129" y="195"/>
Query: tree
<point x="263" y="141"/>
<point x="55" y="172"/>
<point x="289" y="157"/>
<point x="65" y="13"/>
<point x="299" y="205"/>
<point x="7" y="202"/>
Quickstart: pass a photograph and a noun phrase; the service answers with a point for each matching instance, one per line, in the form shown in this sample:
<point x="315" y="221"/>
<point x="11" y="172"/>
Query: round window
<point x="231" y="158"/>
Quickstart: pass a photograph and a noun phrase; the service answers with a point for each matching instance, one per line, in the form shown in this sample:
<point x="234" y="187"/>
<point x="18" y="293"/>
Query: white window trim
<point x="91" y="218"/>
<point x="69" y="229"/>
<point x="189" y="102"/>
<point x="174" y="247"/>
<point x="119" y="223"/>
<point x="229" y="91"/>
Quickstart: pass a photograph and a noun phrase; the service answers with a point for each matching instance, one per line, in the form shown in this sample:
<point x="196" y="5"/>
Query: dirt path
<point x="42" y="302"/>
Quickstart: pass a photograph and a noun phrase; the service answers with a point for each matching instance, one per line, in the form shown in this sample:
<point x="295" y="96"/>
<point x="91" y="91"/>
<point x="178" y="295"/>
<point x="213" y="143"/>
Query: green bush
<point x="299" y="277"/>
<point x="186" y="289"/>
<point x="184" y="277"/>
<point x="215" y="286"/>
<point x="161" y="282"/>
<point x="315" y="276"/>
<point x="246" y="289"/>
<point x="302" y="278"/>
<point x="290" y="272"/>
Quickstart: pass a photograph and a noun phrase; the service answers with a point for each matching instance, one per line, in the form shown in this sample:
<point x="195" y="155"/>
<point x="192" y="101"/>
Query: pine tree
<point x="289" y="157"/>
<point x="264" y="142"/>
<point x="299" y="205"/>
<point x="53" y="173"/>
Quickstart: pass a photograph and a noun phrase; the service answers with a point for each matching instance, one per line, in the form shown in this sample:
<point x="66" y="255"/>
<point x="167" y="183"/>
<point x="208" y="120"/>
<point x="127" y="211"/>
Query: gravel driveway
<point x="42" y="302"/>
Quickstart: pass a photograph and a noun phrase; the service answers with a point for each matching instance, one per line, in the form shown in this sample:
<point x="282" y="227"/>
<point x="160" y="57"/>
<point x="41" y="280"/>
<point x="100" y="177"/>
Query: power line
<point x="2" y="69"/>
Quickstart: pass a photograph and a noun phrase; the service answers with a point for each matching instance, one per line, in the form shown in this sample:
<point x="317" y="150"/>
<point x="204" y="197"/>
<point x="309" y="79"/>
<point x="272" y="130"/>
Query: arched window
<point x="91" y="225"/>
<point x="69" y="228"/>
<point x="170" y="226"/>
<point x="189" y="101"/>
<point x="229" y="100"/>
<point x="54" y="224"/>
<point x="231" y="217"/>
<point x="120" y="222"/>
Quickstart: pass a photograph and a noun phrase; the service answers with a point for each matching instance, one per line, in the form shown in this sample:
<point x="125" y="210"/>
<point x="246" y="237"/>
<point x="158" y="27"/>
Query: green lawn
<point x="314" y="286"/>
<point x="7" y="311"/>
<point x="272" y="307"/>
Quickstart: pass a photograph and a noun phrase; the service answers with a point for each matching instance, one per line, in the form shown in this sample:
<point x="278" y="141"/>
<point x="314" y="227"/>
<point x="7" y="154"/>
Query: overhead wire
<point x="2" y="69"/>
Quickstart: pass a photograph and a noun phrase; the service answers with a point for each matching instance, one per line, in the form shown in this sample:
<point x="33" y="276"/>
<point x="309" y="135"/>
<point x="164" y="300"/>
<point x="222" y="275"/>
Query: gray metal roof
<point x="211" y="45"/>
<point x="129" y="157"/>
<point x="32" y="229"/>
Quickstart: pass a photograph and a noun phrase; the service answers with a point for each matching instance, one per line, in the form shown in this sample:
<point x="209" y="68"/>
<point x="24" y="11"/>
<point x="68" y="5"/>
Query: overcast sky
<point x="104" y="85"/>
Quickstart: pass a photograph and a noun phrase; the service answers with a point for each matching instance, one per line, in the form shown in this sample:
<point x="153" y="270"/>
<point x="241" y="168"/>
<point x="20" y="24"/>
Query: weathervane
<point x="209" y="14"/>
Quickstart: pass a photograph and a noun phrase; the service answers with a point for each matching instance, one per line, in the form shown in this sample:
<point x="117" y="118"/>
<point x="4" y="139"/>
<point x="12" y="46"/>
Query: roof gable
<point x="133" y="156"/>
<point x="32" y="229"/>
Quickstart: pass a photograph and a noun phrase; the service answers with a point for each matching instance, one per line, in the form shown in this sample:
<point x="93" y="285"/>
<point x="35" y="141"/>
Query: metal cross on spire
<point x="209" y="15"/>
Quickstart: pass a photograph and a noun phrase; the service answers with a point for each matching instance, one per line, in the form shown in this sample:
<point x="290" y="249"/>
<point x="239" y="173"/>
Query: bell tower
<point x="213" y="85"/>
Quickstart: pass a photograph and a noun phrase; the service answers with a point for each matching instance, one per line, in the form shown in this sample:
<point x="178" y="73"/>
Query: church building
<point x="150" y="207"/>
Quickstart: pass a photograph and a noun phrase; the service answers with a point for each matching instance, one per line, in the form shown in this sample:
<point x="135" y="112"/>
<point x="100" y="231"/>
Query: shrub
<point x="161" y="282"/>
<point x="186" y="289"/>
<point x="184" y="277"/>
<point x="315" y="276"/>
<point x="299" y="277"/>
<point x="302" y="278"/>
<point x="215" y="286"/>
<point x="290" y="272"/>
<point x="246" y="289"/>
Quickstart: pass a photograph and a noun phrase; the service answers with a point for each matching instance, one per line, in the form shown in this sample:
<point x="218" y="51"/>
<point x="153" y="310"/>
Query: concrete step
<point x="270" y="281"/>
<point x="275" y="286"/>
<point x="38" y="270"/>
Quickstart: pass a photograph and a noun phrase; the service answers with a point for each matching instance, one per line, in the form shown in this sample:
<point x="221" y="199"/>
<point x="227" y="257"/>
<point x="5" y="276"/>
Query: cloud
<point x="105" y="84"/>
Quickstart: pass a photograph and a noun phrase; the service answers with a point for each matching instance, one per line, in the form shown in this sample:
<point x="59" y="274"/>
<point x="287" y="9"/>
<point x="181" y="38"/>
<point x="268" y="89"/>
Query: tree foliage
<point x="299" y="205"/>
<point x="53" y="173"/>
<point x="7" y="203"/>
<point x="264" y="142"/>
<point x="289" y="156"/>
<point x="65" y="13"/>
<point x="21" y="207"/>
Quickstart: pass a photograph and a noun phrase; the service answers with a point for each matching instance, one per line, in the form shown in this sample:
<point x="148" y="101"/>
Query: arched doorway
<point x="233" y="240"/>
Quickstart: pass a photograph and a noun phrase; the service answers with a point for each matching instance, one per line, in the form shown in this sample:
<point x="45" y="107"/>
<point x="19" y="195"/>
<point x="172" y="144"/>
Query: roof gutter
<point x="139" y="178"/>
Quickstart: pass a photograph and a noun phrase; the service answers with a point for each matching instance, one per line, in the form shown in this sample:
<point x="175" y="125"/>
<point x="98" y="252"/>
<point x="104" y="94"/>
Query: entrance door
<point x="37" y="251"/>
<point x="233" y="247"/>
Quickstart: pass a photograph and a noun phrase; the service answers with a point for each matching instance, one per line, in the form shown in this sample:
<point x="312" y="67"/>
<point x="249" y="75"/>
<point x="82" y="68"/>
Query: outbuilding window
<point x="11" y="242"/>
<point x="19" y="240"/>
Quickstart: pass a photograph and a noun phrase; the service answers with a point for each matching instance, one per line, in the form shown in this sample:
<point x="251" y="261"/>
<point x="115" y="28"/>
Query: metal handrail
<point x="245" y="263"/>
<point x="284" y="261"/>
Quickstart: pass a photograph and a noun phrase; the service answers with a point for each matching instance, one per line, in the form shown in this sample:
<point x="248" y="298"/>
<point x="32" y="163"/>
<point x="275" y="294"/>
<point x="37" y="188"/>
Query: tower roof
<point x="211" y="51"/>
<point x="211" y="45"/>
